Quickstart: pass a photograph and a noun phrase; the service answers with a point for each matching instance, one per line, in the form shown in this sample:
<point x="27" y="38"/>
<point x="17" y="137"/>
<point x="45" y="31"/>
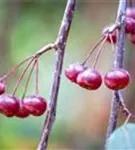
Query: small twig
<point x="112" y="27"/>
<point x="45" y="49"/>
<point x="60" y="43"/>
<point x="122" y="104"/>
<point x="124" y="107"/>
<point x="127" y="119"/>
<point x="118" y="63"/>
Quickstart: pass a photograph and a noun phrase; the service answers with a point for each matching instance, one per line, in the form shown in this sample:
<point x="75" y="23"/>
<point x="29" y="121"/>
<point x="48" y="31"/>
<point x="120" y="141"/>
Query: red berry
<point x="73" y="70"/>
<point x="130" y="12"/>
<point x="2" y="87"/>
<point x="9" y="105"/>
<point x="109" y="35"/>
<point x="130" y="25"/>
<point x="89" y="79"/>
<point x="23" y="112"/>
<point x="117" y="79"/>
<point x="35" y="104"/>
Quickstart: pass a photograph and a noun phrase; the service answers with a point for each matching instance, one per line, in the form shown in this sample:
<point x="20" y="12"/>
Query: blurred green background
<point x="82" y="115"/>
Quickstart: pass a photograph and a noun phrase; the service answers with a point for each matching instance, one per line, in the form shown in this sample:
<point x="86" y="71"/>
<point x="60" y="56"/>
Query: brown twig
<point x="118" y="63"/>
<point x="61" y="43"/>
<point x="124" y="107"/>
<point x="45" y="49"/>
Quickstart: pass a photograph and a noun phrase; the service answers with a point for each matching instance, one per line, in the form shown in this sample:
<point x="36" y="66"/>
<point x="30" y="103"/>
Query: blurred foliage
<point x="82" y="115"/>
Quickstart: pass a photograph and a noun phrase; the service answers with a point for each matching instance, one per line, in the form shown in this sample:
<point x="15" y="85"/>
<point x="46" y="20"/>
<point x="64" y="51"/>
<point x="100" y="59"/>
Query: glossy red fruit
<point x="130" y="26"/>
<point x="2" y="87"/>
<point x="35" y="104"/>
<point x="110" y="36"/>
<point x="73" y="70"/>
<point x="23" y="112"/>
<point x="117" y="79"/>
<point x="9" y="105"/>
<point x="130" y="12"/>
<point x="89" y="79"/>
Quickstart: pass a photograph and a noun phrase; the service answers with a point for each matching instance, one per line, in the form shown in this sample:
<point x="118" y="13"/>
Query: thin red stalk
<point x="37" y="73"/>
<point x="27" y="82"/>
<point x="93" y="49"/>
<point x="21" y="76"/>
<point x="39" y="53"/>
<point x="13" y="69"/>
<point x="112" y="44"/>
<point x="98" y="53"/>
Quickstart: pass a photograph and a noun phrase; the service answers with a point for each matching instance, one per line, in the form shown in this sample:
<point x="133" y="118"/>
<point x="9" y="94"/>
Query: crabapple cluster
<point x="111" y="37"/>
<point x="11" y="106"/>
<point x="91" y="79"/>
<point x="84" y="76"/>
<point x="115" y="79"/>
<point x="33" y="104"/>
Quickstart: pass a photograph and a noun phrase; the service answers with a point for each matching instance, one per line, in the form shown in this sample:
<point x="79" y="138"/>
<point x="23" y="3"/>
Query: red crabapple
<point x="35" y="104"/>
<point x="73" y="70"/>
<point x="117" y="79"/>
<point x="89" y="79"/>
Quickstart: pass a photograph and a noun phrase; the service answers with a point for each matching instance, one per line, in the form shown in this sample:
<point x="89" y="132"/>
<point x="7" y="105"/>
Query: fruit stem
<point x="46" y="48"/>
<point x="118" y="63"/>
<point x="92" y="50"/>
<point x="39" y="53"/>
<point x="21" y="76"/>
<point x="98" y="53"/>
<point x="37" y="72"/>
<point x="27" y="82"/>
<point x="13" y="69"/>
<point x="112" y="43"/>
